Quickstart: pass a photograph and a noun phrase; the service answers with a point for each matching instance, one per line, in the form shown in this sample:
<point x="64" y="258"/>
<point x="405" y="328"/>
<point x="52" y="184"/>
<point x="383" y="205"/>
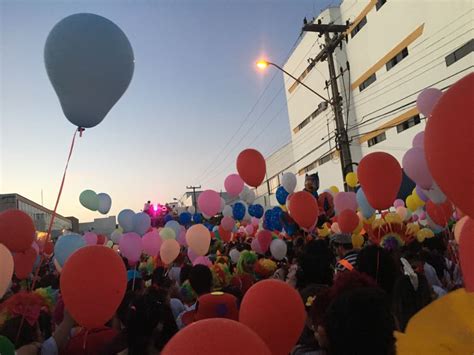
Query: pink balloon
<point x="182" y="238"/>
<point x="335" y="228"/>
<point x="345" y="200"/>
<point x="264" y="238"/>
<point x="234" y="184"/>
<point x="227" y="223"/>
<point x="256" y="246"/>
<point x="192" y="256"/>
<point x="90" y="238"/>
<point x="415" y="166"/>
<point x="249" y="229"/>
<point x="202" y="260"/>
<point x="399" y="203"/>
<point x="151" y="242"/>
<point x="427" y="99"/>
<point x="419" y="140"/>
<point x="131" y="246"/>
<point x="209" y="202"/>
<point x="255" y="221"/>
<point x="422" y="216"/>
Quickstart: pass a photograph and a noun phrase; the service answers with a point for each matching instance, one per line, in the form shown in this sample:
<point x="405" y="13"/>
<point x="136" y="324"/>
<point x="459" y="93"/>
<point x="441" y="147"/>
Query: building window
<point x="301" y="77"/>
<point x="397" y="59"/>
<point x="359" y="26"/>
<point x="460" y="53"/>
<point x="412" y="121"/>
<point x="273" y="183"/>
<point x="321" y="107"/>
<point x="377" y="139"/>
<point x="367" y="82"/>
<point x="325" y="159"/>
<point x="379" y="4"/>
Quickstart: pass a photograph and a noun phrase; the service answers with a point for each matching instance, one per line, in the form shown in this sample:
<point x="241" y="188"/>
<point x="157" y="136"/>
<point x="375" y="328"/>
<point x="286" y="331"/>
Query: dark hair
<point x="315" y="265"/>
<point x="200" y="279"/>
<point x="184" y="273"/>
<point x="379" y="264"/>
<point x="145" y="315"/>
<point x="407" y="301"/>
<point x="160" y="279"/>
<point x="359" y="321"/>
<point x="27" y="335"/>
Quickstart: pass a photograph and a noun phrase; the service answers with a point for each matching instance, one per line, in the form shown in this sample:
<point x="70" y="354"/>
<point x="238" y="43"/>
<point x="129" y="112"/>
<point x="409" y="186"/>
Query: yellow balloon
<point x="419" y="202"/>
<point x="351" y="179"/>
<point x="369" y="220"/>
<point x="357" y="241"/>
<point x="334" y="189"/>
<point x="411" y="203"/>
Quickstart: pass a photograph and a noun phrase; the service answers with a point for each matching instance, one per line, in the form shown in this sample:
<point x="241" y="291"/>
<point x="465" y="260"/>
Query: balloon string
<point x="48" y="236"/>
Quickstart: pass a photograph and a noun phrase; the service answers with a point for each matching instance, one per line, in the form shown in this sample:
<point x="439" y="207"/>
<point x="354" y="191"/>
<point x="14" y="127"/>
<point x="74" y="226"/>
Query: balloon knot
<point x="80" y="130"/>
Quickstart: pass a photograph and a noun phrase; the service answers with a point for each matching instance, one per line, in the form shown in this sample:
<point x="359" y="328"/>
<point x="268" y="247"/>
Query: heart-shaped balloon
<point x="24" y="262"/>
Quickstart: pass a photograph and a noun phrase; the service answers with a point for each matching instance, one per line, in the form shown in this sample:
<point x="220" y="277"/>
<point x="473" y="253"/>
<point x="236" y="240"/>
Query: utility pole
<point x="194" y="194"/>
<point x="342" y="138"/>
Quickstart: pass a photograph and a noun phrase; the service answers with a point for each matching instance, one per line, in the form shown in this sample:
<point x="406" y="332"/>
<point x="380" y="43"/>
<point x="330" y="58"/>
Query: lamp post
<point x="262" y="64"/>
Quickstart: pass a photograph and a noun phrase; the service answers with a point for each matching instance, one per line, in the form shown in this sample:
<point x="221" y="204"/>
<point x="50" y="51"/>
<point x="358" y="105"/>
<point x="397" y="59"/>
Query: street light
<point x="263" y="64"/>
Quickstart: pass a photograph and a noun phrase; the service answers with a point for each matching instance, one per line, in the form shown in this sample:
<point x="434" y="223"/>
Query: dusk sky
<point x="194" y="84"/>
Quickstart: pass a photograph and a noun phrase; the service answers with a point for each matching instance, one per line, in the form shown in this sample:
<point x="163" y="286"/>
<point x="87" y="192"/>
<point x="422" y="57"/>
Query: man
<point x="345" y="251"/>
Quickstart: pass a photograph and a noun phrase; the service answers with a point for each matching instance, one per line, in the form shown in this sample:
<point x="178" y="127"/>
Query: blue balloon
<point x="90" y="64"/>
<point x="197" y="218"/>
<point x="175" y="226"/>
<point x="141" y="223"/>
<point x="281" y="195"/>
<point x="366" y="209"/>
<point x="257" y="211"/>
<point x="66" y="245"/>
<point x="168" y="218"/>
<point x="238" y="211"/>
<point x="185" y="218"/>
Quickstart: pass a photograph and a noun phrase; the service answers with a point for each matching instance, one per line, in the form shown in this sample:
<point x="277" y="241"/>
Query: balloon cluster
<point x="95" y="202"/>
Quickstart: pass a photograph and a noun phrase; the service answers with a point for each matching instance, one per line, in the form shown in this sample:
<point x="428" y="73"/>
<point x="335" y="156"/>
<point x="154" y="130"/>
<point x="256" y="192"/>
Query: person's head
<point x="200" y="279"/>
<point x="379" y="264"/>
<point x="359" y="321"/>
<point x="342" y="243"/>
<point x="184" y="273"/>
<point x="311" y="182"/>
<point x="315" y="265"/>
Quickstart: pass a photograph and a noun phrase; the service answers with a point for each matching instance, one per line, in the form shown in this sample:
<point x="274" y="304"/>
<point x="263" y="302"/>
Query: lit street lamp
<point x="263" y="64"/>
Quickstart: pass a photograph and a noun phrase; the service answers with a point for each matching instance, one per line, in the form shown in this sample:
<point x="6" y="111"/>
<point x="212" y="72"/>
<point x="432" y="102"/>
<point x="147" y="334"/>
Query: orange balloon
<point x="448" y="146"/>
<point x="216" y="336"/>
<point x="169" y="251"/>
<point x="198" y="238"/>
<point x="275" y="311"/>
<point x="303" y="208"/>
<point x="93" y="283"/>
<point x="17" y="230"/>
<point x="251" y="167"/>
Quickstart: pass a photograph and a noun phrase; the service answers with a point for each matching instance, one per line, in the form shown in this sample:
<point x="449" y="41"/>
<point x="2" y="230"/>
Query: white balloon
<point x="278" y="249"/>
<point x="115" y="236"/>
<point x="288" y="181"/>
<point x="206" y="216"/>
<point x="192" y="209"/>
<point x="244" y="193"/>
<point x="105" y="202"/>
<point x="234" y="255"/>
<point x="250" y="197"/>
<point x="227" y="211"/>
<point x="247" y="217"/>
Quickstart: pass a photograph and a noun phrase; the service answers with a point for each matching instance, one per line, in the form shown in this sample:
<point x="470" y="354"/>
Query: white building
<point x="105" y="225"/>
<point x="395" y="49"/>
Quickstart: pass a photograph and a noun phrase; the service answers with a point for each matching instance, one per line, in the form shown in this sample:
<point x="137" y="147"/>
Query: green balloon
<point x="89" y="200"/>
<point x="6" y="346"/>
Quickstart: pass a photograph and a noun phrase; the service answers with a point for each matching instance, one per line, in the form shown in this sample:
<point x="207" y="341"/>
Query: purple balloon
<point x="90" y="238"/>
<point x="202" y="260"/>
<point x="192" y="257"/>
<point x="131" y="246"/>
<point x="345" y="200"/>
<point x="415" y="217"/>
<point x="398" y="203"/>
<point x="415" y="166"/>
<point x="419" y="140"/>
<point x="427" y="99"/>
<point x="421" y="194"/>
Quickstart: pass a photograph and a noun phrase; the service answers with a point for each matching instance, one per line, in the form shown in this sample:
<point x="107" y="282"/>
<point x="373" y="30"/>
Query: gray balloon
<point x="90" y="64"/>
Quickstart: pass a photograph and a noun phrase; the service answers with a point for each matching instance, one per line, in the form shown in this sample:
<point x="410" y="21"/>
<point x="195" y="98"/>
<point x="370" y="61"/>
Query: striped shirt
<point x="349" y="260"/>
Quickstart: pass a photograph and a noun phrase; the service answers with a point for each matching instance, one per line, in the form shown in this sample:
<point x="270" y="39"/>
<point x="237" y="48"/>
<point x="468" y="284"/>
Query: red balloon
<point x="303" y="208"/>
<point x="224" y="234"/>
<point x="48" y="248"/>
<point x="380" y="176"/>
<point x="439" y="213"/>
<point x="251" y="167"/>
<point x="93" y="283"/>
<point x="216" y="336"/>
<point x="264" y="238"/>
<point x="348" y="220"/>
<point x="24" y="262"/>
<point x="275" y="311"/>
<point x="466" y="254"/>
<point x="101" y="239"/>
<point x="17" y="230"/>
<point x="448" y="144"/>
